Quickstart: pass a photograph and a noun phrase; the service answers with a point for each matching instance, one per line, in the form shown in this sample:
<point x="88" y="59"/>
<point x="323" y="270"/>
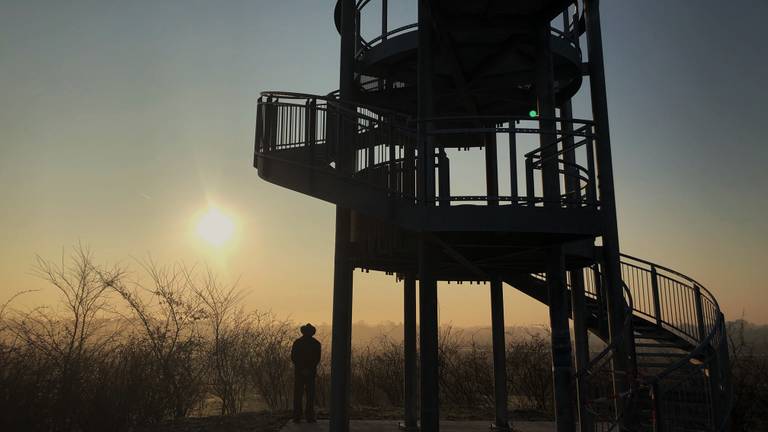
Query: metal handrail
<point x="389" y="33"/>
<point x="363" y="85"/>
<point x="484" y="118"/>
<point x="332" y="98"/>
<point x="676" y="273"/>
<point x="707" y="341"/>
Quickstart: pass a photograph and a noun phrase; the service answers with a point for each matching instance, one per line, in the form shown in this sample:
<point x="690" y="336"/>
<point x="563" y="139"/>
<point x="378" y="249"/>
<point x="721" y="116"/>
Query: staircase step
<point x="657" y="345"/>
<point x="666" y="337"/>
<point x="655" y="333"/>
<point x="661" y="354"/>
<point x="653" y="364"/>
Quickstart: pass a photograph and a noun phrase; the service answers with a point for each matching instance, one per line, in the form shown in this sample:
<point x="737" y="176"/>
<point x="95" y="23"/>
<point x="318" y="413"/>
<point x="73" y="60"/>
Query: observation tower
<point x="487" y="87"/>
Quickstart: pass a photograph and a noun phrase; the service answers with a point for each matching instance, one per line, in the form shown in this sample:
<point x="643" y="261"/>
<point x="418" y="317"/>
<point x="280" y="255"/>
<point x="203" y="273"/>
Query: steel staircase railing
<point x="692" y="392"/>
<point x="677" y="305"/>
<point x="304" y="130"/>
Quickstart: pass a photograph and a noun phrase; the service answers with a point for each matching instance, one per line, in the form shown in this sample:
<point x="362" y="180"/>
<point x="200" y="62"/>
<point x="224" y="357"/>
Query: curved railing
<point x="309" y="127"/>
<point x="606" y="406"/>
<point x="569" y="34"/>
<point x="671" y="300"/>
<point x="569" y="154"/>
<point x="386" y="151"/>
<point x="695" y="389"/>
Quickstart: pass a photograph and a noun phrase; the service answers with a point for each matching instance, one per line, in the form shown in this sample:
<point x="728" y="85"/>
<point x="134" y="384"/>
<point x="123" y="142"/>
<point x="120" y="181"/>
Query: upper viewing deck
<point x="486" y="49"/>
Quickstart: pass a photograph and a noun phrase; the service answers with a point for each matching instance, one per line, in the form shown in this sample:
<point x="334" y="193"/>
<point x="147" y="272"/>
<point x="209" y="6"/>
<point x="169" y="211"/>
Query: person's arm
<point x="293" y="353"/>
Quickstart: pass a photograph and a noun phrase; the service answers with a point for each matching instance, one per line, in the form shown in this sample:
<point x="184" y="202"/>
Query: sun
<point x="215" y="227"/>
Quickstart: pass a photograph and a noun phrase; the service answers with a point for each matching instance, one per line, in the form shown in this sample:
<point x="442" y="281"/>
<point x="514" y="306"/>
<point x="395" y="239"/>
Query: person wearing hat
<point x="305" y="355"/>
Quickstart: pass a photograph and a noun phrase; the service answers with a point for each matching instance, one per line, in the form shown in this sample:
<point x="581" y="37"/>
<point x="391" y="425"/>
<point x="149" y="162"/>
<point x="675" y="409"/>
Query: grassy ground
<point x="265" y="421"/>
<point x="245" y="422"/>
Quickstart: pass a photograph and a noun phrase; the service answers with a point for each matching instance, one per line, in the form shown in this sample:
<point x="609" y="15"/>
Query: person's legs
<point x="298" y="391"/>
<point x="310" y="387"/>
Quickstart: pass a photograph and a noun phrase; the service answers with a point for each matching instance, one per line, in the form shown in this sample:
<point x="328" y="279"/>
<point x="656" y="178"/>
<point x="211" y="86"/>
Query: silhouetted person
<point x="305" y="356"/>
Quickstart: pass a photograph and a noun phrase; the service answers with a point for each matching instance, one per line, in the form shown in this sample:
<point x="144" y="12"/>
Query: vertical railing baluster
<point x="260" y="128"/>
<point x="655" y="294"/>
<point x="513" y="163"/>
<point x="357" y="32"/>
<point x="699" y="312"/>
<point x="592" y="187"/>
<point x="310" y="129"/>
<point x="384" y="16"/>
<point x="372" y="131"/>
<point x="658" y="417"/>
<point x="529" y="186"/>
<point x="271" y="118"/>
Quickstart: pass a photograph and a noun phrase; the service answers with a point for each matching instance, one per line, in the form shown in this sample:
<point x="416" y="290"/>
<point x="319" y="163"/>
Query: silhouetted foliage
<point x="749" y="374"/>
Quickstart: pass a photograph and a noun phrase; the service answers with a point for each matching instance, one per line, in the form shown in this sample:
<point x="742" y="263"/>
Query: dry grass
<point x="243" y="422"/>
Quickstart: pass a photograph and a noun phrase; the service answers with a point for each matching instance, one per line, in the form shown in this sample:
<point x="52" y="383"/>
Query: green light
<point x="533" y="114"/>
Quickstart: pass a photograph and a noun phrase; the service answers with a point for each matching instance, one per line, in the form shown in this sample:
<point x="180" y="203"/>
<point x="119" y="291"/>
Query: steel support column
<point x="572" y="181"/>
<point x="444" y="178"/>
<point x="491" y="170"/>
<point x="428" y="328"/>
<point x="581" y="343"/>
<point x="425" y="79"/>
<point x="545" y="97"/>
<point x="513" y="189"/>
<point x="428" y="324"/>
<point x="410" y="399"/>
<point x="499" y="355"/>
<point x="622" y="360"/>
<point x="341" y="333"/>
<point x="562" y="369"/>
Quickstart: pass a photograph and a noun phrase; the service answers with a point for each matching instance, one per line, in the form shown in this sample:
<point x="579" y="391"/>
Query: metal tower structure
<point x="496" y="77"/>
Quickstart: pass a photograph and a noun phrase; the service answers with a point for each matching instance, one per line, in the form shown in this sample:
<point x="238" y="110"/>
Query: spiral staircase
<point x="679" y="371"/>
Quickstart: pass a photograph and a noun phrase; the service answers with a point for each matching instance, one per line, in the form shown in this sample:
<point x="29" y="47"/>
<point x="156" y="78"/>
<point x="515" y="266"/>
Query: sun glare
<point x="215" y="227"/>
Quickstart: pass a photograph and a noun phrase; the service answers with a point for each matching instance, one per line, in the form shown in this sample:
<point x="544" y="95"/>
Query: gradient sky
<point x="121" y="121"/>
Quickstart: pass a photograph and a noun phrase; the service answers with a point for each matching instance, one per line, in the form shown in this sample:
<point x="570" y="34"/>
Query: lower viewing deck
<point x="298" y="137"/>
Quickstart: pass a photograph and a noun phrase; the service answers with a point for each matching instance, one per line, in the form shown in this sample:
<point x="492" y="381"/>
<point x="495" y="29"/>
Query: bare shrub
<point x="122" y="390"/>
<point x="749" y="375"/>
<point x="323" y="377"/>
<point x="466" y="370"/>
<point x="271" y="369"/>
<point x="363" y="375"/>
<point x="529" y="372"/>
<point x="67" y="342"/>
<point x="231" y="340"/>
<point x="390" y="370"/>
<point x="167" y="311"/>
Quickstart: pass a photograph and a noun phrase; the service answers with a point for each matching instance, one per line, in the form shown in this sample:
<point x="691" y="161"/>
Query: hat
<point x="308" y="330"/>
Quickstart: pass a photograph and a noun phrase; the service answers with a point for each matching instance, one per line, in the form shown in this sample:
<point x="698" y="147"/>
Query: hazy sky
<point x="121" y="121"/>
